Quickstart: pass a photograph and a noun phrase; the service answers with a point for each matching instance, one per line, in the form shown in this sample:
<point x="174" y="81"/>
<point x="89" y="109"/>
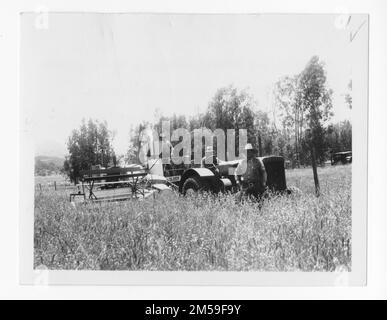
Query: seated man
<point x="250" y="174"/>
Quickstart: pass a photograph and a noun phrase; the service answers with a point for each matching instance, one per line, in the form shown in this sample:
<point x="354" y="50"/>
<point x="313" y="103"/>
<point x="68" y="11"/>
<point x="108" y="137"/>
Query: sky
<point x="122" y="67"/>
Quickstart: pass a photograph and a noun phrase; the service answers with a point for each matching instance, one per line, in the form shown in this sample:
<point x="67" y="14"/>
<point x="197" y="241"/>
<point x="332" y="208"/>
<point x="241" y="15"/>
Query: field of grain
<point x="288" y="233"/>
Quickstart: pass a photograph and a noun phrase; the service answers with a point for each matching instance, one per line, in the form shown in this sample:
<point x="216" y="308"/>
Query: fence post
<point x="40" y="186"/>
<point x="55" y="185"/>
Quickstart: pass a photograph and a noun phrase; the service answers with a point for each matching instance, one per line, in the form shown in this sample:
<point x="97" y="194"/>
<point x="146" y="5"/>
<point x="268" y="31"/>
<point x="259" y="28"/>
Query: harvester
<point x="155" y="176"/>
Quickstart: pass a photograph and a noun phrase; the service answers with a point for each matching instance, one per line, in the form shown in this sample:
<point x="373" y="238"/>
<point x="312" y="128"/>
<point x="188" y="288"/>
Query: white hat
<point x="249" y="146"/>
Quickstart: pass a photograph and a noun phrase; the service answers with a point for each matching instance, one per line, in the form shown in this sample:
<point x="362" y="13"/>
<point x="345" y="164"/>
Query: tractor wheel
<point x="193" y="185"/>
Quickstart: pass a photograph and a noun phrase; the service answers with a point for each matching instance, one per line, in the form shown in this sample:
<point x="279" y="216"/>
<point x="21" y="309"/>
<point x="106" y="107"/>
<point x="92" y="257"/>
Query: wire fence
<point x="55" y="186"/>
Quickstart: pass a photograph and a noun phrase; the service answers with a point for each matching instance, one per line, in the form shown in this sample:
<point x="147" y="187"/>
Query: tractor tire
<point x="194" y="185"/>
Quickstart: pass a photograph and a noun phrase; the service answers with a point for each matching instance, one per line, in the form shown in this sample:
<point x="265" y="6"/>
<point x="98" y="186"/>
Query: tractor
<point x="220" y="178"/>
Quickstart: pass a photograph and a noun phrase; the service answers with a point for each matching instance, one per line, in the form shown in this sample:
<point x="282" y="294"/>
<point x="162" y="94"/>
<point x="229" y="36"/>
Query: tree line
<point x="301" y="122"/>
<point x="46" y="166"/>
<point x="89" y="145"/>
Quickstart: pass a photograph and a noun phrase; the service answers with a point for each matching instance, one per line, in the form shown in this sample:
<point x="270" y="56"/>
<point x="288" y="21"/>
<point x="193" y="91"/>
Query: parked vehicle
<point x="341" y="157"/>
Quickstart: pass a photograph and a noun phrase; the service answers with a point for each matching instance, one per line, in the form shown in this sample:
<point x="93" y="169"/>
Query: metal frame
<point x="89" y="183"/>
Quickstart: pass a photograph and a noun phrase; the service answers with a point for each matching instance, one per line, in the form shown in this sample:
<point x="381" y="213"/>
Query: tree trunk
<point x="314" y="166"/>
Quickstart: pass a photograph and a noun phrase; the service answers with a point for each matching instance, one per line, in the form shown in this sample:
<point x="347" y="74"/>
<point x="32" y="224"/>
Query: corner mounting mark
<point x="353" y="35"/>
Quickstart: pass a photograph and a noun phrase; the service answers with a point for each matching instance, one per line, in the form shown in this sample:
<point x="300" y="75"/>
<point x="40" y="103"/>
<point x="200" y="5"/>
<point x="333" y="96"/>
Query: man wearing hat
<point x="250" y="174"/>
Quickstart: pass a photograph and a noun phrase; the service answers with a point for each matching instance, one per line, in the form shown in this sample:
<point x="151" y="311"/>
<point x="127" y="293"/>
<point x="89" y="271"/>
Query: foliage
<point x="45" y="166"/>
<point x="339" y="136"/>
<point x="132" y="154"/>
<point x="233" y="109"/>
<point x="87" y="146"/>
<point x="228" y="109"/>
<point x="289" y="233"/>
<point x="316" y="102"/>
<point x="305" y="103"/>
<point x="287" y="99"/>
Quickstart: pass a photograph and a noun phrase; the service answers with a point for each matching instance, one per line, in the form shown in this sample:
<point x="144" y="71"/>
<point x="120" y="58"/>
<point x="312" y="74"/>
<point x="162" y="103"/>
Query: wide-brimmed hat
<point x="249" y="146"/>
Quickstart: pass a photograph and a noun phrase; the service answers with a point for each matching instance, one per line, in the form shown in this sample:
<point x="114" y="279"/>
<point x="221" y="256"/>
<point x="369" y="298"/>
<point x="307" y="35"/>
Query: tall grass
<point x="288" y="233"/>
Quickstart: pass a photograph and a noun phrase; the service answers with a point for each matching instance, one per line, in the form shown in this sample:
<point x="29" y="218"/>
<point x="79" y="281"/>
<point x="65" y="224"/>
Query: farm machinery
<point x="142" y="181"/>
<point x="220" y="177"/>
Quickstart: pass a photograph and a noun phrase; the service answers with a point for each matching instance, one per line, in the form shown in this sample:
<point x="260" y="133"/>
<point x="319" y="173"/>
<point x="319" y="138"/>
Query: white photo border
<point x="356" y="277"/>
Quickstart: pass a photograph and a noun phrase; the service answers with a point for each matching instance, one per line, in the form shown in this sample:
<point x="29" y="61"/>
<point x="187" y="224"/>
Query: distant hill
<point x="45" y="165"/>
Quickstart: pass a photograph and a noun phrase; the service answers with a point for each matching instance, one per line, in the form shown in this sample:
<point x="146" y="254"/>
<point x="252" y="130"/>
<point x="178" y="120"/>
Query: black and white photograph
<point x="193" y="142"/>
